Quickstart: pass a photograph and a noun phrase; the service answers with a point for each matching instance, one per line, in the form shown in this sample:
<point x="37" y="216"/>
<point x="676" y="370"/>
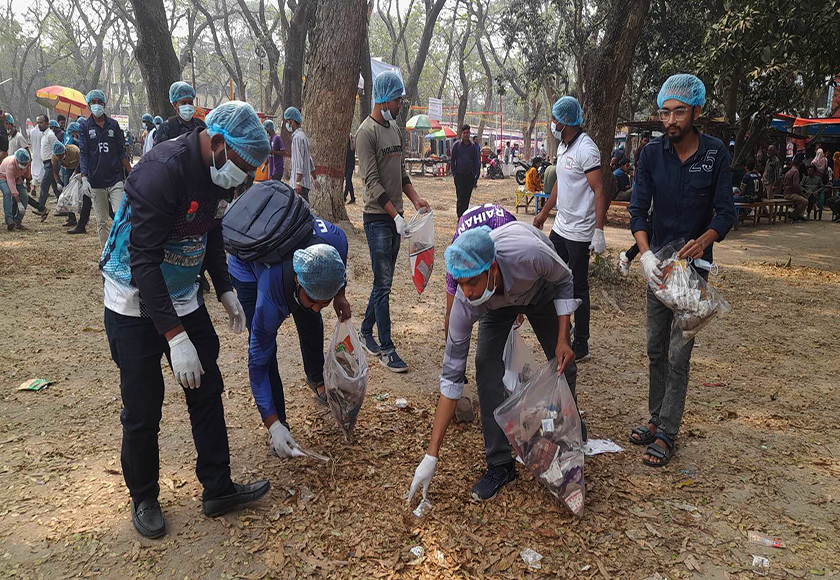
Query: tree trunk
<point x="526" y="116"/>
<point x="333" y="74"/>
<point x="537" y="106"/>
<point x="732" y="94"/>
<point x="488" y="98"/>
<point x="433" y="8"/>
<point x="294" y="52"/>
<point x="464" y="100"/>
<point x="603" y="71"/>
<point x="155" y="54"/>
<point x="366" y="94"/>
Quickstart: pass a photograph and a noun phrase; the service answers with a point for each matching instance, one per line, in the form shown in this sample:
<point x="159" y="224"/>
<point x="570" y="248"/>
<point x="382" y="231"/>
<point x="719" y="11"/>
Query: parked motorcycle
<point x="494" y="169"/>
<point x="522" y="169"/>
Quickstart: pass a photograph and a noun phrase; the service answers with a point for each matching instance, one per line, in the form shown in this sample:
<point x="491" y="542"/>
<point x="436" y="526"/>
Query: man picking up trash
<point x="501" y="274"/>
<point x="168" y="228"/>
<point x="685" y="175"/>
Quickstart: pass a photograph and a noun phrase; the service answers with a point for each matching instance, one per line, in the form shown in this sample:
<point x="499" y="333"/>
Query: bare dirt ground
<point x="759" y="448"/>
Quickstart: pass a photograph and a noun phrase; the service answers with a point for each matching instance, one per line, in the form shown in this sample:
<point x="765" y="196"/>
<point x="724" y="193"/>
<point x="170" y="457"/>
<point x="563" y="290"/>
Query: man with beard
<point x="684" y="174"/>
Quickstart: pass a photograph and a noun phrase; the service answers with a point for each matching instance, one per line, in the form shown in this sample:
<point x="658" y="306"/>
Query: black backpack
<point x="266" y="222"/>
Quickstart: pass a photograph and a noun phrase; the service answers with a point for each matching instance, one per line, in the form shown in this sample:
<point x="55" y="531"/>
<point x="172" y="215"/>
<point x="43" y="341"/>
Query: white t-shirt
<point x="47" y="140"/>
<point x="37" y="165"/>
<point x="575" y="199"/>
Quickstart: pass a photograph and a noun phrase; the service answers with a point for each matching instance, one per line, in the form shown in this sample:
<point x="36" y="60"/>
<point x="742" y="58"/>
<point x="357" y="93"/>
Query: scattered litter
<point x="692" y="510"/>
<point x="585" y="568"/>
<point x="381" y="396"/>
<point x="34" y="385"/>
<point x="689" y="471"/>
<point x="440" y="559"/>
<point x="310" y="453"/>
<point x="417" y="551"/>
<point x="401" y="403"/>
<point x="531" y="558"/>
<point x="305" y="493"/>
<point x="422" y="509"/>
<point x="759" y="538"/>
<point x="596" y="446"/>
<point x="760" y="565"/>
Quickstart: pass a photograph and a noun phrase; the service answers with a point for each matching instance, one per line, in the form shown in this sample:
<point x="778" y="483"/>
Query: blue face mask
<point x="97" y="110"/>
<point x="186" y="112"/>
<point x="488" y="294"/>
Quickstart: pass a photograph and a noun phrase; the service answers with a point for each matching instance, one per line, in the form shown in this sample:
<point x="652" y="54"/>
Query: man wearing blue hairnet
<point x="501" y="274"/>
<point x="165" y="232"/>
<point x="182" y="98"/>
<point x="103" y="165"/>
<point x="303" y="167"/>
<point x="684" y="174"/>
<point x="45" y="125"/>
<point x="382" y="168"/>
<point x="581" y="203"/>
<point x="14" y="171"/>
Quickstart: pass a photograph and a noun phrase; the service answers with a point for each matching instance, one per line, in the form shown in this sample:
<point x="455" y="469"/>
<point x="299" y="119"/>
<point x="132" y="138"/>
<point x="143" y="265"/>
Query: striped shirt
<point x="301" y="160"/>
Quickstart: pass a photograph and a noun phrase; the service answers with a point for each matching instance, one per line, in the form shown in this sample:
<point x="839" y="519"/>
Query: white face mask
<point x="97" y="110"/>
<point x="558" y="133"/>
<point x="386" y="114"/>
<point x="289" y="127"/>
<point x="186" y="112"/>
<point x="488" y="294"/>
<point x="21" y="167"/>
<point x="229" y="176"/>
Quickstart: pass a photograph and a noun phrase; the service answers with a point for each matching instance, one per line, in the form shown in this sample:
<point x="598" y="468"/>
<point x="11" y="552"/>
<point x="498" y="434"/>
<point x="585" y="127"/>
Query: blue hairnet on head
<point x="95" y="94"/>
<point x="240" y="126"/>
<point x="293" y="114"/>
<point x="147" y="118"/>
<point x="567" y="111"/>
<point x="470" y="254"/>
<point x="58" y="148"/>
<point x="53" y="123"/>
<point x="685" y="88"/>
<point x="9" y="119"/>
<point x="178" y="90"/>
<point x="158" y="120"/>
<point x="320" y="271"/>
<point x="269" y="125"/>
<point x="73" y="127"/>
<point x="22" y="156"/>
<point x="387" y="86"/>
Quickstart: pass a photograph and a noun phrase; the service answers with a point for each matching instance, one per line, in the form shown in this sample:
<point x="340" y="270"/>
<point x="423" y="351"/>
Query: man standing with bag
<point x="382" y="167"/>
<point x="685" y="174"/>
<point x="465" y="169"/>
<point x="581" y="206"/>
<point x="165" y="232"/>
<point x="303" y="168"/>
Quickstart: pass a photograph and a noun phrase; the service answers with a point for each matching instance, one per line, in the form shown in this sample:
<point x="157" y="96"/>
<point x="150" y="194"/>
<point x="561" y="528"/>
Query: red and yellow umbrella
<point x="63" y="100"/>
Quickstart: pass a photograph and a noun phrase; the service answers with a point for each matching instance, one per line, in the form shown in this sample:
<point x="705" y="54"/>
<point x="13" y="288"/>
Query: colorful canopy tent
<point x="816" y="129"/>
<point x="63" y="101"/>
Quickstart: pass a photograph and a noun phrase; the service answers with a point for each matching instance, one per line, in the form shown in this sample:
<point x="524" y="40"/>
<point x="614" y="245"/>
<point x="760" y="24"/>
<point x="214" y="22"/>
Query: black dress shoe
<point x="77" y="230"/>
<point x="148" y="519"/>
<point x="243" y="495"/>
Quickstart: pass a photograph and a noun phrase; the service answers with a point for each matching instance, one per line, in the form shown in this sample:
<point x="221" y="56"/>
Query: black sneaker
<point x="148" y="519"/>
<point x="371" y="346"/>
<point x="77" y="230"/>
<point x="495" y="478"/>
<point x="322" y="396"/>
<point x="10" y="226"/>
<point x="581" y="352"/>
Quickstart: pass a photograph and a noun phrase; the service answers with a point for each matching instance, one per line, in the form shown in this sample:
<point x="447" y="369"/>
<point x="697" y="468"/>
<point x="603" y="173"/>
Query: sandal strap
<point x="655" y="450"/>
<point x="669" y="441"/>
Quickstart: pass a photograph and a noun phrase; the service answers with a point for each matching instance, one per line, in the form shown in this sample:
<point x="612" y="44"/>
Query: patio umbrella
<point x="444" y="133"/>
<point x="421" y="122"/>
<point x="63" y="100"/>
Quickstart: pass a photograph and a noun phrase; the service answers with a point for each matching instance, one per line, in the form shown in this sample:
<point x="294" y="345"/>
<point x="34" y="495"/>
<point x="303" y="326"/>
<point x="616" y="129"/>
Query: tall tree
<point x="155" y="54"/>
<point x="331" y="84"/>
<point x="433" y="8"/>
<point x="295" y="30"/>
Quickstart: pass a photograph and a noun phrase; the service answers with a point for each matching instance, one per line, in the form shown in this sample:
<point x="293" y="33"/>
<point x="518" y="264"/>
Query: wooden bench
<point x="744" y="215"/>
<point x="523" y="198"/>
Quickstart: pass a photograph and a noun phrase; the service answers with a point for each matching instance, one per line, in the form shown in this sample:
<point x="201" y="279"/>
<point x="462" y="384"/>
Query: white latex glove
<point x="401" y="227"/>
<point x="21" y="207"/>
<point x="282" y="442"/>
<point x="86" y="187"/>
<point x="185" y="364"/>
<point x="599" y="244"/>
<point x="60" y="187"/>
<point x="650" y="266"/>
<point x="423" y="475"/>
<point x="236" y="315"/>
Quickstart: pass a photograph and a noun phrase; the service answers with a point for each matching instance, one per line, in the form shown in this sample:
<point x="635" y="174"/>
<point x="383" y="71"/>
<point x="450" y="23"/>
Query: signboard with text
<point x="435" y="109"/>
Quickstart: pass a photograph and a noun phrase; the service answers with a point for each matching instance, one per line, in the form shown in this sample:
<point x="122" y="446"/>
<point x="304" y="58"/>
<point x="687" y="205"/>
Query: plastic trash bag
<point x="421" y="247"/>
<point x="345" y="376"/>
<point x="519" y="362"/>
<point x="70" y="199"/>
<point x="541" y="421"/>
<point x="693" y="301"/>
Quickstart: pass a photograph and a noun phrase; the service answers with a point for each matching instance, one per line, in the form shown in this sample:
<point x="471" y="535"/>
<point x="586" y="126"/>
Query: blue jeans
<point x="10" y="209"/>
<point x="384" y="243"/>
<point x="46" y="182"/>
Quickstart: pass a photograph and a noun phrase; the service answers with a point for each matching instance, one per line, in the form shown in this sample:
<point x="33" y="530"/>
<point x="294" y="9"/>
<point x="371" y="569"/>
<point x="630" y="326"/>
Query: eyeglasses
<point x="679" y="113"/>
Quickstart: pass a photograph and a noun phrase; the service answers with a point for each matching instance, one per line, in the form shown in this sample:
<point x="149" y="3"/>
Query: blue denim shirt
<point x="690" y="197"/>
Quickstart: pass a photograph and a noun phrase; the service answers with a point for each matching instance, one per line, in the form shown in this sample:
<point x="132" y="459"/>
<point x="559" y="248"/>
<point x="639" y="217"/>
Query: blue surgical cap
<point x="179" y="90"/>
<point x="470" y="254"/>
<point x="320" y="271"/>
<point x="53" y="123"/>
<point x="73" y="127"/>
<point x="293" y="114"/>
<point x="147" y="118"/>
<point x="9" y="119"/>
<point x="269" y="125"/>
<point x="387" y="86"/>
<point x="240" y="126"/>
<point x="95" y="94"/>
<point x="685" y="88"/>
<point x="22" y="156"/>
<point x="58" y="148"/>
<point x="567" y="111"/>
<point x="158" y="120"/>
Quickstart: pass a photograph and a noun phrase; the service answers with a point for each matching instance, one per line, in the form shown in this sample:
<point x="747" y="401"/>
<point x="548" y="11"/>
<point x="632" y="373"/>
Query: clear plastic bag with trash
<point x="421" y="247"/>
<point x="345" y="376"/>
<point x="519" y="362"/>
<point x="70" y="199"/>
<point x="541" y="421"/>
<point x="693" y="301"/>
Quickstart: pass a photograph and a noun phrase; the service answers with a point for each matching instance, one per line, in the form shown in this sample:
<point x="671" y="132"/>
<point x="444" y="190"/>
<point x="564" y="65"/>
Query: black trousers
<point x="84" y="214"/>
<point x="493" y="330"/>
<point x="348" y="186"/>
<point x="136" y="347"/>
<point x="576" y="256"/>
<point x="464" y="185"/>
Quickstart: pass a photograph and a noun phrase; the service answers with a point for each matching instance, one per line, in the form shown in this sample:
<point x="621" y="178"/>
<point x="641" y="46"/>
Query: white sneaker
<point x="624" y="264"/>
